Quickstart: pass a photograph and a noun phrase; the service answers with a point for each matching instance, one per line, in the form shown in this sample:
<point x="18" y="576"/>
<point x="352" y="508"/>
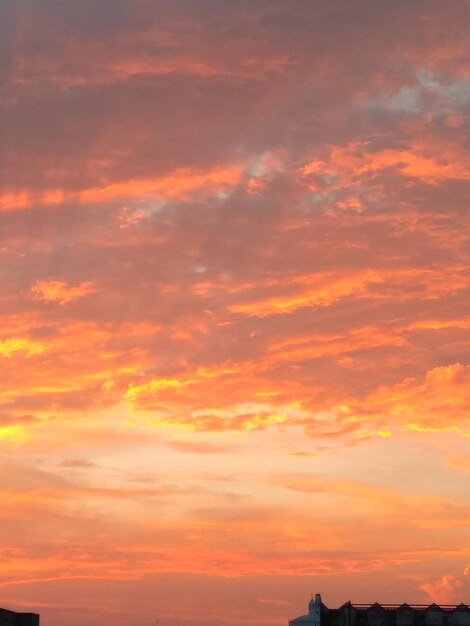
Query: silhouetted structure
<point x="383" y="615"/>
<point x="11" y="618"/>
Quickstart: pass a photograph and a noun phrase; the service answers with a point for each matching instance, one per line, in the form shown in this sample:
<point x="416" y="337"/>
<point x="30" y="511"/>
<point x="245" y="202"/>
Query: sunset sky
<point x="234" y="300"/>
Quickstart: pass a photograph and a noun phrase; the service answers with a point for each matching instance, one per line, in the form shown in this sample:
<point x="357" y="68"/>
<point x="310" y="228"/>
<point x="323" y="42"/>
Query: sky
<point x="234" y="308"/>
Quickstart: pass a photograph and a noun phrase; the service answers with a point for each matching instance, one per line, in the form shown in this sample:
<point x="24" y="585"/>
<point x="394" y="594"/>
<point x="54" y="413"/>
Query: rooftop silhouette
<point x="376" y="614"/>
<point x="12" y="618"/>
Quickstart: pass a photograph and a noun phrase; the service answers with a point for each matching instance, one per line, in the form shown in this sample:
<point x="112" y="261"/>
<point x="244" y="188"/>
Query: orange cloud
<point x="437" y="403"/>
<point x="357" y="160"/>
<point x="178" y="185"/>
<point x="324" y="291"/>
<point x="446" y="590"/>
<point x="59" y="291"/>
<point x="10" y="346"/>
<point x="458" y="462"/>
<point x="320" y="345"/>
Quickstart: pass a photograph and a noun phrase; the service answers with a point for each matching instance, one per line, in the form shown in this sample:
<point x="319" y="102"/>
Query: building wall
<point x="11" y="618"/>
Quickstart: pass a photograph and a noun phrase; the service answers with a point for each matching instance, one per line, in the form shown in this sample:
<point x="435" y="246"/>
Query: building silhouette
<point x="11" y="618"/>
<point x="383" y="615"/>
